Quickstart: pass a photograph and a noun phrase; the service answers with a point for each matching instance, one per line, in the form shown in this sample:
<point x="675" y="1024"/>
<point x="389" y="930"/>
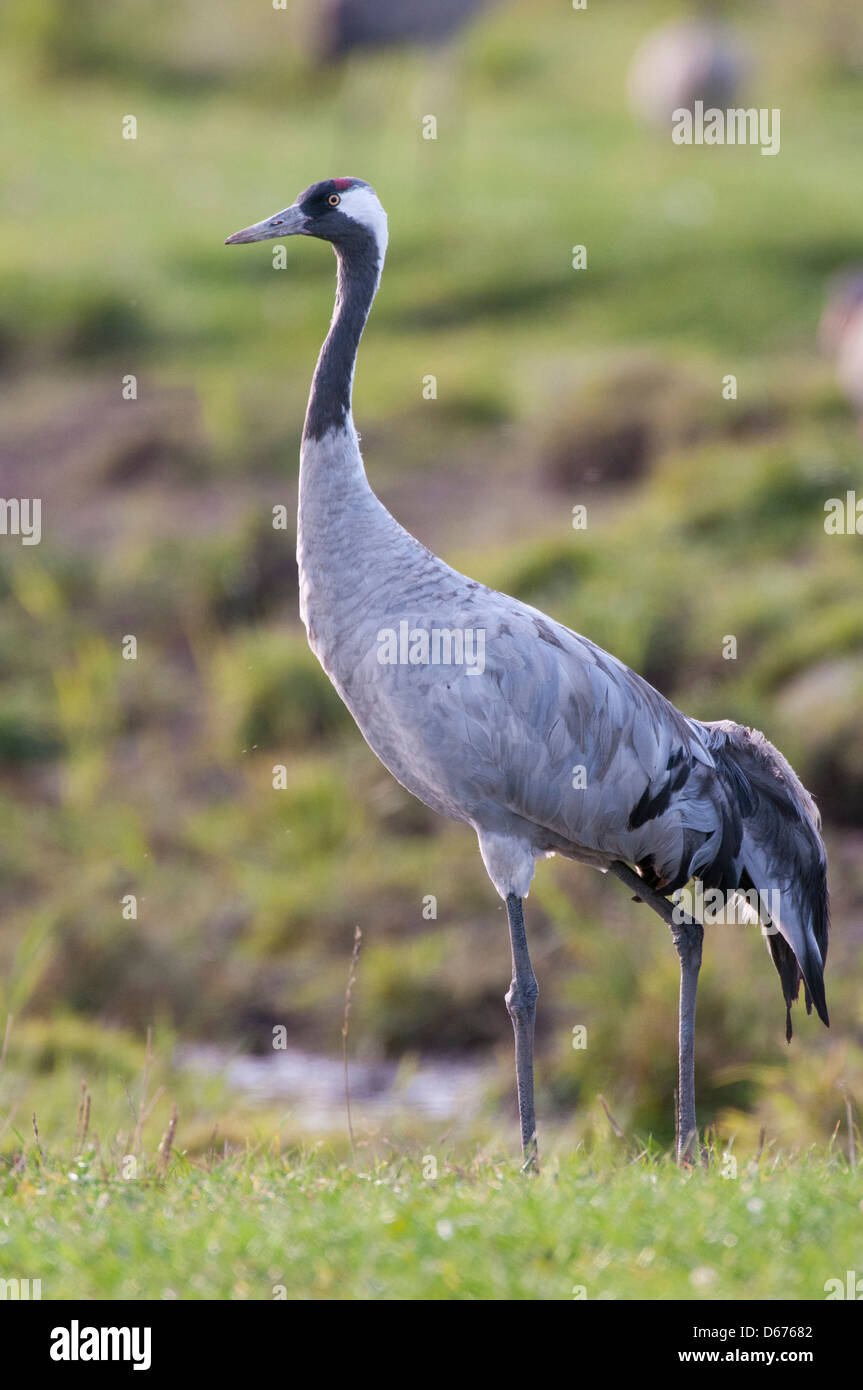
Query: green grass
<point x="155" y="777"/>
<point x="132" y="1179"/>
<point x="304" y="1225"/>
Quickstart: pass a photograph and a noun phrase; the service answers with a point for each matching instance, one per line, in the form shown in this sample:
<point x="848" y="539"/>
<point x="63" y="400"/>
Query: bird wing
<point x="782" y="855"/>
<point x="553" y="731"/>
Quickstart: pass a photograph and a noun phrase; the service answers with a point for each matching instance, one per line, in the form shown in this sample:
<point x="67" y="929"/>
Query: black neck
<point x="357" y="281"/>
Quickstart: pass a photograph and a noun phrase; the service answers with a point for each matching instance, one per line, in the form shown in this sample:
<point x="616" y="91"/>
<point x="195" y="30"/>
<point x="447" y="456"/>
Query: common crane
<point x="663" y="799"/>
<point x="686" y="61"/>
<point x="345" y="26"/>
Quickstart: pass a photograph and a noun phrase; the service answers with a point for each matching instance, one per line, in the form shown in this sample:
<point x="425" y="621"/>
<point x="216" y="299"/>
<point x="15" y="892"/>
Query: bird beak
<point x="291" y="222"/>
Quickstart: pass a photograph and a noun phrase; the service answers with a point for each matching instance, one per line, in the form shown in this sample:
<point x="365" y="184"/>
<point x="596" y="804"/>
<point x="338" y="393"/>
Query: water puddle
<point x="314" y="1087"/>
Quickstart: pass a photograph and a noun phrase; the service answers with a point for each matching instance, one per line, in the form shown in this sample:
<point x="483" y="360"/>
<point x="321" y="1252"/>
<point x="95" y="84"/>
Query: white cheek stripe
<point x="362" y="205"/>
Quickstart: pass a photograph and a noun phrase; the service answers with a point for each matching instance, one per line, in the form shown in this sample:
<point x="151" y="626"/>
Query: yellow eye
<point x="334" y="200"/>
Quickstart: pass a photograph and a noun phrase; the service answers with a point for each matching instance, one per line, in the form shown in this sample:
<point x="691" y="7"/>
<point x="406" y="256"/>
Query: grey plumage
<point x="781" y="850"/>
<point x="683" y="62"/>
<point x="677" y="798"/>
<point x="555" y="746"/>
<point x="345" y="26"/>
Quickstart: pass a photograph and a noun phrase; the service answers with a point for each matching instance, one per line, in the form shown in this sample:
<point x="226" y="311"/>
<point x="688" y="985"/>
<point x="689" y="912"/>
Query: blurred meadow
<point x="556" y="387"/>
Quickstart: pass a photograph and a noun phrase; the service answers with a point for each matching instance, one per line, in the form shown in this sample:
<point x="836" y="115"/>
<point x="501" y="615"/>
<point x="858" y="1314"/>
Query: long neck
<point x="359" y="270"/>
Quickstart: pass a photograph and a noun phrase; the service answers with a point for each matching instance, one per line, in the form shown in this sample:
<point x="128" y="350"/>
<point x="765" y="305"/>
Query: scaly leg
<point x="521" y="1007"/>
<point x="688" y="935"/>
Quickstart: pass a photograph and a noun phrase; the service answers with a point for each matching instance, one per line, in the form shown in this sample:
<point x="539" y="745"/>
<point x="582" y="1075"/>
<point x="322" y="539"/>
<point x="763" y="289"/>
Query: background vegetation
<point x="556" y="387"/>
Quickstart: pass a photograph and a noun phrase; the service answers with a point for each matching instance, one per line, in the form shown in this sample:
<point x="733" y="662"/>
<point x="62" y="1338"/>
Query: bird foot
<point x="530" y="1166"/>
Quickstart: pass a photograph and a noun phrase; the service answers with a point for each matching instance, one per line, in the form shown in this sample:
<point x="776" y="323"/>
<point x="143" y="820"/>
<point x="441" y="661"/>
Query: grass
<point x="264" y="1225"/>
<point x="143" y="1182"/>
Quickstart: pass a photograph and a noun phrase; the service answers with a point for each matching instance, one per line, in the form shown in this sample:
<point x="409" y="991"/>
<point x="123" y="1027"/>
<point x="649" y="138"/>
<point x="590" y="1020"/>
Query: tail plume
<point x="781" y="850"/>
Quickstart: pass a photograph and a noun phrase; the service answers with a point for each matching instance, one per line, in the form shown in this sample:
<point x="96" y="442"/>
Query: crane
<point x="683" y="62"/>
<point x="344" y="26"/>
<point x="483" y="706"/>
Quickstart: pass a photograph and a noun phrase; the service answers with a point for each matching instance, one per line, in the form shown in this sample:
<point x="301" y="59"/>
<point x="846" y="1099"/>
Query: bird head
<point x="344" y="211"/>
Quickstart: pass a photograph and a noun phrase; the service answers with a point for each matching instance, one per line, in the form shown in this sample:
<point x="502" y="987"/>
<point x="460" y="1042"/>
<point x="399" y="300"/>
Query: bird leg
<point x="521" y="1007"/>
<point x="688" y="942"/>
<point x="688" y="936"/>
